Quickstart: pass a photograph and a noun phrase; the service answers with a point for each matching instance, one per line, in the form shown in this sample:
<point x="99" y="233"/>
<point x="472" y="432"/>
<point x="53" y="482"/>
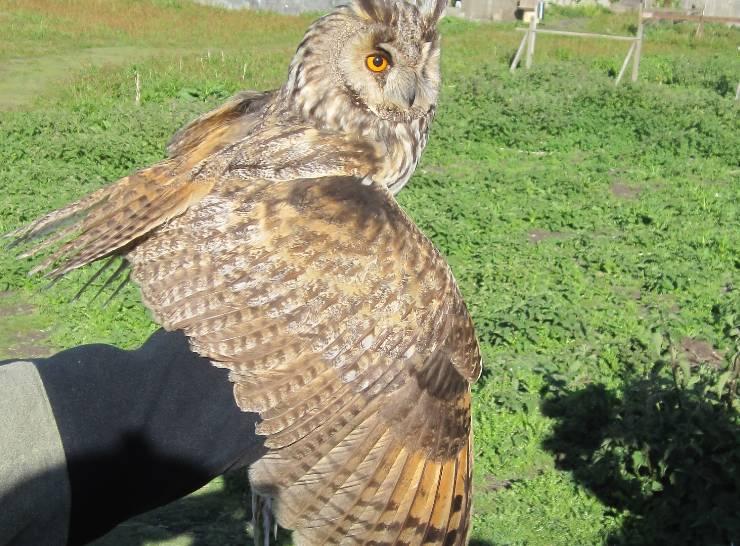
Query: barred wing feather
<point x="343" y="327"/>
<point x="340" y="324"/>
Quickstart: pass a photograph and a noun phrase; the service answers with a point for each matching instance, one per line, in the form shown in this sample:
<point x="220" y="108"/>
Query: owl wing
<point x="340" y="324"/>
<point x="222" y="126"/>
<point x="343" y="327"/>
<point x="109" y="220"/>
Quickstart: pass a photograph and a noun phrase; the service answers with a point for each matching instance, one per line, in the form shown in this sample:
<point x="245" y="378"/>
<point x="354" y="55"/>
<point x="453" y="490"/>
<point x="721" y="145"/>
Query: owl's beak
<point x="412" y="96"/>
<point x="402" y="89"/>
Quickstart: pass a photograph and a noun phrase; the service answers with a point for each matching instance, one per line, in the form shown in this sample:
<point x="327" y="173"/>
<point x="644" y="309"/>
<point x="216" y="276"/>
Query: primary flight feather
<point x="270" y="235"/>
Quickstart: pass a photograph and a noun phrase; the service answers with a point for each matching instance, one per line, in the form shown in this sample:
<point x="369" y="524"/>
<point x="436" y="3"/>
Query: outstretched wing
<point x="343" y="327"/>
<point x="228" y="123"/>
<point x="111" y="219"/>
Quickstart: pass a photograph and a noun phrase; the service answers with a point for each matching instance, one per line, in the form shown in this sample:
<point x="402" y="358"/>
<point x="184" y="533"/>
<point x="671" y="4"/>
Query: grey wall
<point x="280" y="6"/>
<point x="713" y="8"/>
<point x="490" y="10"/>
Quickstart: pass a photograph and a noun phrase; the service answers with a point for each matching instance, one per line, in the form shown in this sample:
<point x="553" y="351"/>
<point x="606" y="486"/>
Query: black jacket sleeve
<point x="142" y="428"/>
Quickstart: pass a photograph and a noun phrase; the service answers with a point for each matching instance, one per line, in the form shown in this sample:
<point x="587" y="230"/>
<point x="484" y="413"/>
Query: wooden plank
<point x="519" y="51"/>
<point x="625" y="63"/>
<point x="583" y="34"/>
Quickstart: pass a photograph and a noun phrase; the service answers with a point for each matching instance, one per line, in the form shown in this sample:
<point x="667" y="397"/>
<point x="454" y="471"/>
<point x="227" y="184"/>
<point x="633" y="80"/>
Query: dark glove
<point x="142" y="428"/>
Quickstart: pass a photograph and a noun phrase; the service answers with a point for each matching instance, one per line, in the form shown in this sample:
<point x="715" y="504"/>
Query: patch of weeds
<point x="662" y="450"/>
<point x="579" y="220"/>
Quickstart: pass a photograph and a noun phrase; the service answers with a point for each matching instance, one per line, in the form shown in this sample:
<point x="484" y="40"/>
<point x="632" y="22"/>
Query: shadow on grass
<point x="217" y="515"/>
<point x="666" y="457"/>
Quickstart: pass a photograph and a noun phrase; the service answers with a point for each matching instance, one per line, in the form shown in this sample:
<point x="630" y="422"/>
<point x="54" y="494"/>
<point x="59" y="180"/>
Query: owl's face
<point x="380" y="57"/>
<point x="390" y="63"/>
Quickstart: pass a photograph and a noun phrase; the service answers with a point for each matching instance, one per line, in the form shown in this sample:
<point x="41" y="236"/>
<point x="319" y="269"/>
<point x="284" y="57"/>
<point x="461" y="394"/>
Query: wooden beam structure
<point x="626" y="63"/>
<point x="519" y="52"/>
<point x="581" y="34"/>
<point x="634" y="54"/>
<point x="527" y="45"/>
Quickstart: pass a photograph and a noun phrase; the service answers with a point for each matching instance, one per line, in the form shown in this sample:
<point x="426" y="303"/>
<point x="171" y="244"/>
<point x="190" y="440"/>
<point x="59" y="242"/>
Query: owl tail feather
<point x="110" y="221"/>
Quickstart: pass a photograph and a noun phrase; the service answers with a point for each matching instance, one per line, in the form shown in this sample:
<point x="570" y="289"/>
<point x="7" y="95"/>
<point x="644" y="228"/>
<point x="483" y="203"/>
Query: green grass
<point x="593" y="230"/>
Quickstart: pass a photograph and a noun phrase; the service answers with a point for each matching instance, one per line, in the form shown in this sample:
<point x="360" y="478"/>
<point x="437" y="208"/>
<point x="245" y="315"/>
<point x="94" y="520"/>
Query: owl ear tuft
<point x="382" y="11"/>
<point x="379" y="11"/>
<point x="433" y="10"/>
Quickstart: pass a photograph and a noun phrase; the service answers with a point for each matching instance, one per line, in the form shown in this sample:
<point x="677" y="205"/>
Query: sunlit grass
<point x="593" y="230"/>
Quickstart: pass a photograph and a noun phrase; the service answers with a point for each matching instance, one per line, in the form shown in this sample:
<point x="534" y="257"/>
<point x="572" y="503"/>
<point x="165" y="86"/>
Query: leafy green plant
<point x="664" y="449"/>
<point x="592" y="230"/>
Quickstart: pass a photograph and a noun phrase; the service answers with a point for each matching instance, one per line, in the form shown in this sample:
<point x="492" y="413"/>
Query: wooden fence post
<point x="638" y="46"/>
<point x="532" y="35"/>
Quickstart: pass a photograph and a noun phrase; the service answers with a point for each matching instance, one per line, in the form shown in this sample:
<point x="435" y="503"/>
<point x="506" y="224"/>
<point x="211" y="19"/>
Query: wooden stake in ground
<point x="528" y="43"/>
<point x="638" y="46"/>
<point x="519" y="52"/>
<point x="532" y="36"/>
<point x="137" y="80"/>
<point x="626" y="63"/>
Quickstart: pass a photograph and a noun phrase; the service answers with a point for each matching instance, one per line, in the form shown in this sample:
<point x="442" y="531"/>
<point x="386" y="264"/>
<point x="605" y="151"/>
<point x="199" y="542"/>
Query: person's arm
<point x="139" y="429"/>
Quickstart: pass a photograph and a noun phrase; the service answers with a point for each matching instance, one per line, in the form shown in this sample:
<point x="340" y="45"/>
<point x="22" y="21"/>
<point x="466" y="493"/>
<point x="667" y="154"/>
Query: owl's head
<point x="374" y="58"/>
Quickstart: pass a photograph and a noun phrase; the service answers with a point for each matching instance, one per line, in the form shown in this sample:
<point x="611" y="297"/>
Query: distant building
<point x="489" y="10"/>
<point x="710" y="8"/>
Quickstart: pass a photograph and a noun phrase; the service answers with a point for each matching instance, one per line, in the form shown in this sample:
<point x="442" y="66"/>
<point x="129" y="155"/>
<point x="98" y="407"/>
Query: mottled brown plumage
<point x="271" y="236"/>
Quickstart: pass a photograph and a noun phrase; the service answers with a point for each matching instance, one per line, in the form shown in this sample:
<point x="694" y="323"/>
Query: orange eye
<point x="377" y="62"/>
